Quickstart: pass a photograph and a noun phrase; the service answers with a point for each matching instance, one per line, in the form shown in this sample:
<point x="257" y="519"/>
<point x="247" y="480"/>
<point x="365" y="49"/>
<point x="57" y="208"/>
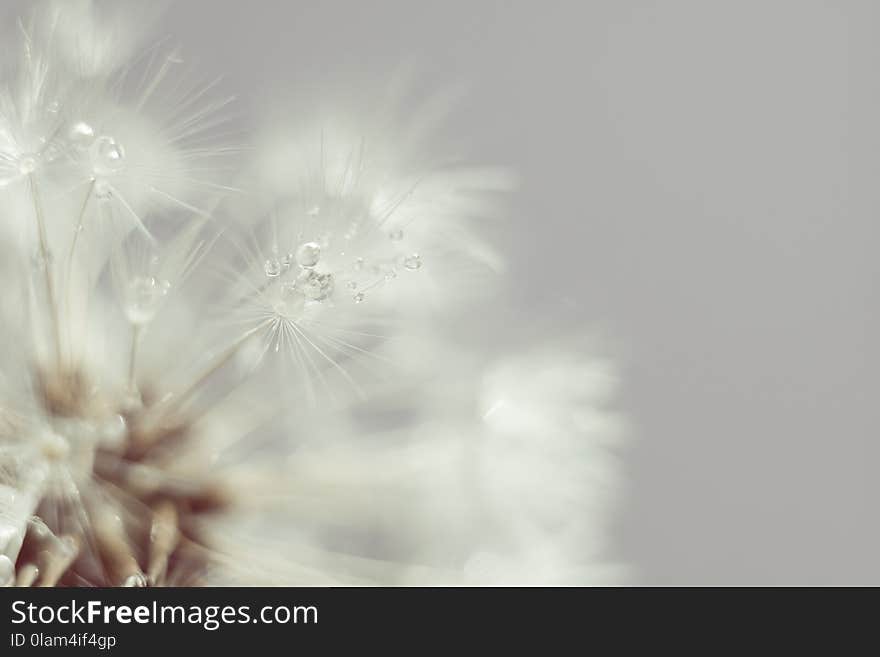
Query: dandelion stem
<point x="79" y="226"/>
<point x="47" y="269"/>
<point x="77" y="230"/>
<point x="132" y="358"/>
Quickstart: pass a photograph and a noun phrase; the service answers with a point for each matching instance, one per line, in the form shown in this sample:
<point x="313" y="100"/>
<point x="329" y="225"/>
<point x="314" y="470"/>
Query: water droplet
<point x="351" y="285"/>
<point x="287" y="260"/>
<point x="272" y="267"/>
<point x="396" y="235"/>
<point x="308" y="254"/>
<point x="412" y="262"/>
<point x="390" y="274"/>
<point x="315" y="286"/>
<point x="53" y="107"/>
<point x="81" y="134"/>
<point x="359" y="297"/>
<point x="358" y="264"/>
<point x="314" y="212"/>
<point x="107" y="156"/>
<point x="145" y="295"/>
<point x="27" y="164"/>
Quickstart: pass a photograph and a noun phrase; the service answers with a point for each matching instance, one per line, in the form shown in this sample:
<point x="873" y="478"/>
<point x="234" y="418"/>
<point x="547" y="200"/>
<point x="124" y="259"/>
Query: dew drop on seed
<point x="315" y="286"/>
<point x="359" y="297"/>
<point x="272" y="267"/>
<point x="308" y="254"/>
<point x="396" y="235"/>
<point x="145" y="295"/>
<point x="107" y="155"/>
<point x="412" y="262"/>
<point x="81" y="134"/>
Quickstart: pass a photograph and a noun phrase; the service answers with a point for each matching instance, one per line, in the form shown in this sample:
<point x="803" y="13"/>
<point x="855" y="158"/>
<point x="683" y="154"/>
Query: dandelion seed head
<point x="197" y="371"/>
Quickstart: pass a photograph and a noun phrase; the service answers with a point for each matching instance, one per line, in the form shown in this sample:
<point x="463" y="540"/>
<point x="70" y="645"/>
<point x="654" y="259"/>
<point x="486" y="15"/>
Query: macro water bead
<point x="308" y="254"/>
<point x="108" y="156"/>
<point x="145" y="295"/>
<point x="315" y="286"/>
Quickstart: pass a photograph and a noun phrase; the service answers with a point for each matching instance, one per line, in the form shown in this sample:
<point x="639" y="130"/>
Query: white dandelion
<point x="184" y="330"/>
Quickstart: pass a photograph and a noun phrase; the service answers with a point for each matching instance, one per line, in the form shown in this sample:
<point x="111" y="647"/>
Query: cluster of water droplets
<point x="104" y="154"/>
<point x="304" y="274"/>
<point x="301" y="281"/>
<point x="370" y="273"/>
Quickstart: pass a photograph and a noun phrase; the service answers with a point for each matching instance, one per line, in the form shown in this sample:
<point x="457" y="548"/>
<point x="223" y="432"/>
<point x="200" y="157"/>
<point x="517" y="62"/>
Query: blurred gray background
<point x="698" y="180"/>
